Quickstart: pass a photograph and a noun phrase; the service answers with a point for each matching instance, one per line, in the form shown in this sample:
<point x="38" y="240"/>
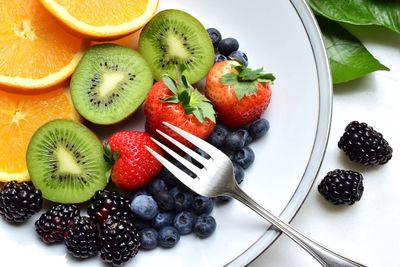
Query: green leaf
<point x="385" y="13"/>
<point x="172" y="99"/>
<point x="348" y="58"/>
<point x="170" y="83"/>
<point x="243" y="89"/>
<point x="229" y="79"/>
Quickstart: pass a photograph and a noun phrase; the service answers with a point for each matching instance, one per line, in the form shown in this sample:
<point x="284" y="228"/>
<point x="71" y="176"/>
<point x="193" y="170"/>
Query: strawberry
<point x="240" y="95"/>
<point x="133" y="166"/>
<point x="178" y="103"/>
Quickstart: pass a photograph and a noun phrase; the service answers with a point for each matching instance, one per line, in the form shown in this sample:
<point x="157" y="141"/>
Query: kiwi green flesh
<point x="174" y="37"/>
<point x="110" y="83"/>
<point x="65" y="161"/>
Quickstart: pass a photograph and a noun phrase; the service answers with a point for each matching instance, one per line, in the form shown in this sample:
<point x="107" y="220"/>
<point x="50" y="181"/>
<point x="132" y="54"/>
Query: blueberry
<point x="184" y="222"/>
<point x="205" y="225"/>
<point x="215" y="36"/>
<point x="227" y="46"/>
<point x="218" y="135"/>
<point x="140" y="192"/>
<point x="168" y="237"/>
<point x="163" y="219"/>
<point x="144" y="207"/>
<point x="218" y="58"/>
<point x="201" y="153"/>
<point x="244" y="157"/>
<point x="246" y="136"/>
<point x="202" y="205"/>
<point x="240" y="57"/>
<point x="183" y="198"/>
<point x="148" y="238"/>
<point x="237" y="140"/>
<point x="156" y="186"/>
<point x="141" y="224"/>
<point x="169" y="179"/>
<point x="259" y="128"/>
<point x="238" y="173"/>
<point x="165" y="201"/>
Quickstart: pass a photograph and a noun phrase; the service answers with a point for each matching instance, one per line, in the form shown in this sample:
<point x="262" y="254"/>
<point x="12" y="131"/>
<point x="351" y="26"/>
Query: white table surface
<point x="368" y="231"/>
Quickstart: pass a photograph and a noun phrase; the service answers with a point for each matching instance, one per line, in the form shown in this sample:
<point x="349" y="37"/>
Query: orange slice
<point x="35" y="52"/>
<point x="102" y="20"/>
<point x="20" y="117"/>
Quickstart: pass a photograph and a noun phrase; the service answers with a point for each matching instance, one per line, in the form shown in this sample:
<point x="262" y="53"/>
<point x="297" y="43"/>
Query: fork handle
<point x="323" y="255"/>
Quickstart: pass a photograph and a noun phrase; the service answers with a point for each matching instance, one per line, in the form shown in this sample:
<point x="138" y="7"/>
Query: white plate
<point x="281" y="36"/>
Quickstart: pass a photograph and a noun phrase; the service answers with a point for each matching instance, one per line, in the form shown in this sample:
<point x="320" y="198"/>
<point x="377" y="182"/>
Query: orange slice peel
<point x="20" y="116"/>
<point x="110" y="20"/>
<point x="35" y="52"/>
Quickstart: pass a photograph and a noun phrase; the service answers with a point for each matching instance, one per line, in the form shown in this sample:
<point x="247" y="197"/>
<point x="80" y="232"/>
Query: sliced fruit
<point x="110" y="83"/>
<point x="20" y="117"/>
<point x="172" y="38"/>
<point x="65" y="160"/>
<point x="35" y="51"/>
<point x="102" y="20"/>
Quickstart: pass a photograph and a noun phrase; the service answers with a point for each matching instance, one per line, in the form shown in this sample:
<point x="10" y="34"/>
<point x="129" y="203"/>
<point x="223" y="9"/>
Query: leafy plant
<point x="349" y="59"/>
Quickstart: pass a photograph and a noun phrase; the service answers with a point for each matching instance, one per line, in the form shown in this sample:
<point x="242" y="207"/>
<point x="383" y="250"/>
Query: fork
<point x="216" y="178"/>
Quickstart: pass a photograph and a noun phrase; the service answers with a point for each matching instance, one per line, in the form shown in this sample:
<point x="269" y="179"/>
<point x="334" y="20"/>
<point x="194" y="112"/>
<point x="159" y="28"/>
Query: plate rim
<point x="317" y="154"/>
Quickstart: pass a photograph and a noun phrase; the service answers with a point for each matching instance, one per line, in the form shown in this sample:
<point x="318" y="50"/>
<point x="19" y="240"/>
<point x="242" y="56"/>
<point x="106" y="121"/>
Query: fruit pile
<point x="55" y="84"/>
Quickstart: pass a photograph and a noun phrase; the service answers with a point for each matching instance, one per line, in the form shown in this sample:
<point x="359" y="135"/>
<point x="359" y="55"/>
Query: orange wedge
<point x="35" y="52"/>
<point x="102" y="20"/>
<point x="20" y="117"/>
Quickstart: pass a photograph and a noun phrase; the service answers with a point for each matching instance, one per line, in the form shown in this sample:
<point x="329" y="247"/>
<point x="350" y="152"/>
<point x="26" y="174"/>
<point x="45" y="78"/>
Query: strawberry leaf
<point x="245" y="80"/>
<point x="172" y="99"/>
<point x="191" y="99"/>
<point x="243" y="89"/>
<point x="170" y="83"/>
<point x="229" y="79"/>
<point x="109" y="156"/>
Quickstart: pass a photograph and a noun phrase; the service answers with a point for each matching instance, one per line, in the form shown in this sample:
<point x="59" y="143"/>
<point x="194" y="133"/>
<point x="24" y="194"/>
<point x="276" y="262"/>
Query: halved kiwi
<point x="65" y="161"/>
<point x="174" y="37"/>
<point x="110" y="83"/>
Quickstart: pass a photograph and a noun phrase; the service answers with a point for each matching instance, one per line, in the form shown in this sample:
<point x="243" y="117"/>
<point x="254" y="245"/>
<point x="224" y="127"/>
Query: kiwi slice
<point x="174" y="37"/>
<point x="110" y="83"/>
<point x="65" y="161"/>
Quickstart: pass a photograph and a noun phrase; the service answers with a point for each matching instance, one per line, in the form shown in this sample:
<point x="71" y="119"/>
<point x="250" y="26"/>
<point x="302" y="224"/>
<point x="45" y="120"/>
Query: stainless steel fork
<point x="216" y="178"/>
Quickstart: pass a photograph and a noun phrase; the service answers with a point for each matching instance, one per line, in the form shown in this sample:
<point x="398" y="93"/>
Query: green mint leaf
<point x="243" y="89"/>
<point x="229" y="79"/>
<point x="348" y="58"/>
<point x="170" y="83"/>
<point x="385" y="13"/>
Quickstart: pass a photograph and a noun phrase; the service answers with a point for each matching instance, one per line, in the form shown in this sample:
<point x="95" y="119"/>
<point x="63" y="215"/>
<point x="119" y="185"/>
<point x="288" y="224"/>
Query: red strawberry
<point x="134" y="166"/>
<point x="240" y="95"/>
<point x="181" y="105"/>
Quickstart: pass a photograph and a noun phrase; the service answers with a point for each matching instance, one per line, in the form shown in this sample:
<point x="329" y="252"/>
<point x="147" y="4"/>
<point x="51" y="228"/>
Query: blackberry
<point x="82" y="237"/>
<point x="107" y="203"/>
<point x="19" y="201"/>
<point x="342" y="187"/>
<point x="52" y="224"/>
<point x="364" y="145"/>
<point x="119" y="239"/>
